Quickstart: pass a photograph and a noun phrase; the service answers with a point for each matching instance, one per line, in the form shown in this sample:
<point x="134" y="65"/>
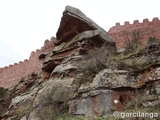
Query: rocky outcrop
<point x="84" y="75"/>
<point x="75" y="37"/>
<point x="53" y="96"/>
<point x="75" y="22"/>
<point x="22" y="96"/>
<point x="94" y="103"/>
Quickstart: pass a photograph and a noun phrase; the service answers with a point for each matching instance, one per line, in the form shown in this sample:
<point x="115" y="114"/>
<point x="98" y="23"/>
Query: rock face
<point x="75" y="37"/>
<point x="54" y="92"/>
<point x="80" y="23"/>
<point x="94" y="103"/>
<point x="84" y="75"/>
<point x="22" y="96"/>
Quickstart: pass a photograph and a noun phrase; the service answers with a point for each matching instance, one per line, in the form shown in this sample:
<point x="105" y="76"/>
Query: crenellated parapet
<point x="48" y="44"/>
<point x="146" y="28"/>
<point x="136" y="25"/>
<point x="12" y="74"/>
<point x="14" y="65"/>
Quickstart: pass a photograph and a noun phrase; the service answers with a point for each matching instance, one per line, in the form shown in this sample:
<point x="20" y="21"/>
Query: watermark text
<point x="135" y="114"/>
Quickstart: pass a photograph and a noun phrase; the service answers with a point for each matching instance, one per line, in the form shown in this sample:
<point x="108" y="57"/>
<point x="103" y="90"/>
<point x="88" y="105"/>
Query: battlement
<point x="48" y="44"/>
<point x="136" y="25"/>
<point x="14" y="65"/>
<point x="146" y="28"/>
<point x="10" y="75"/>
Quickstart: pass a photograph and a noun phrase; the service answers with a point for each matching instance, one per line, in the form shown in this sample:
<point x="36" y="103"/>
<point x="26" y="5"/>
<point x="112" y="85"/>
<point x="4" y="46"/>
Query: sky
<point x="26" y="24"/>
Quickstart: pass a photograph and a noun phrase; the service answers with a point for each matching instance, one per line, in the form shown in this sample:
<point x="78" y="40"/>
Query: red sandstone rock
<point x="80" y="23"/>
<point x="76" y="37"/>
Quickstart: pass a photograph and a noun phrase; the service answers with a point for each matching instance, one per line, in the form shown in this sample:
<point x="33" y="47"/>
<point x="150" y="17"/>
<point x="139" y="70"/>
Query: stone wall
<point x="146" y="29"/>
<point x="10" y="75"/>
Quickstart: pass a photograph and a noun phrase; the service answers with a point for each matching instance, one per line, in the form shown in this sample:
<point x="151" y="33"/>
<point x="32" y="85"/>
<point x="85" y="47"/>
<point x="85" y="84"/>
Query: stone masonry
<point x="146" y="29"/>
<point x="10" y="75"/>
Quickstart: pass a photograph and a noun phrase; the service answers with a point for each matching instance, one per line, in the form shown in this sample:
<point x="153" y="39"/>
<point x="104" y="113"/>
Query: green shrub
<point x="121" y="65"/>
<point x="24" y="110"/>
<point x="92" y="63"/>
<point x="2" y="91"/>
<point x="153" y="40"/>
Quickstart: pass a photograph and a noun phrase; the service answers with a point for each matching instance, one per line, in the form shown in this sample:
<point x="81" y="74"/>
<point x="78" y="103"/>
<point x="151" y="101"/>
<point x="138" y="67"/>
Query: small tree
<point x="132" y="42"/>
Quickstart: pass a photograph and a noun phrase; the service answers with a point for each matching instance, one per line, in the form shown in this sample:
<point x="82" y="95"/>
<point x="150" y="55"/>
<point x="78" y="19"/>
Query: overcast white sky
<point x="25" y="24"/>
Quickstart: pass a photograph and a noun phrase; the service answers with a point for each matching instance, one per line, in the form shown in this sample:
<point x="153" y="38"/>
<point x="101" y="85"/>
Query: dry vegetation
<point x="96" y="60"/>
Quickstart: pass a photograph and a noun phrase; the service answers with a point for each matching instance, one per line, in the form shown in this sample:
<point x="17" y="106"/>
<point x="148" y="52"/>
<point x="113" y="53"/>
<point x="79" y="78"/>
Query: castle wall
<point x="12" y="74"/>
<point x="146" y="29"/>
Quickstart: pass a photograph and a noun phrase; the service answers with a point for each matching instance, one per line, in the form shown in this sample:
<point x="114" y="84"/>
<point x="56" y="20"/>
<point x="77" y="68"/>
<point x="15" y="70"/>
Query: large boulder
<point x="52" y="98"/>
<point x="95" y="103"/>
<point x="111" y="79"/>
<point x="75" y="38"/>
<point x="74" y="22"/>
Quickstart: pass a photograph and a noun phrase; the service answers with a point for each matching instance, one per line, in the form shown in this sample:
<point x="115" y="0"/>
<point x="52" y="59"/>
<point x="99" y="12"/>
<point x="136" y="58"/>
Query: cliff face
<point x="82" y="74"/>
